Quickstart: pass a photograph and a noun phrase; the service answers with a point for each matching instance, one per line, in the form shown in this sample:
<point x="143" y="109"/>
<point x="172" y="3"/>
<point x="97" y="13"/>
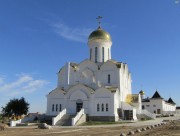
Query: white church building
<point x="158" y="105"/>
<point x="98" y="87"/>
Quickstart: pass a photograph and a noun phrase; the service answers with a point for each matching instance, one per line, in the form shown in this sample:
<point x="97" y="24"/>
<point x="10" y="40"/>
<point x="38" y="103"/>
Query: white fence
<point x="58" y="117"/>
<point x="14" y="122"/>
<point x="169" y="112"/>
<point x="77" y="117"/>
<point x="26" y="119"/>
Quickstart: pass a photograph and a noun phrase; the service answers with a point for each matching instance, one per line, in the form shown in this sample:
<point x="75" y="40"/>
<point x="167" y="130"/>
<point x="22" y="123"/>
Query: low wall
<point x="101" y="118"/>
<point x="14" y="122"/>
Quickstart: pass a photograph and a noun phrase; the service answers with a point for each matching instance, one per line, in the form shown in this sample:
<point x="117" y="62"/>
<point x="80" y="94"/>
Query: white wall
<point x="89" y="80"/>
<point x="153" y="105"/>
<point x="103" y="96"/>
<point x="156" y="104"/>
<point x="55" y="97"/>
<point x="168" y="108"/>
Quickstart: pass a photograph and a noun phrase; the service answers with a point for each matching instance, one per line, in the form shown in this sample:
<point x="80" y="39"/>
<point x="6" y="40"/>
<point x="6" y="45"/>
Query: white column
<point x="68" y="72"/>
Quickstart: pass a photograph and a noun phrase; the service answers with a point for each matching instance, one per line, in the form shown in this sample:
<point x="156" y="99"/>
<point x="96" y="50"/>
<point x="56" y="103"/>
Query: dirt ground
<point x="170" y="129"/>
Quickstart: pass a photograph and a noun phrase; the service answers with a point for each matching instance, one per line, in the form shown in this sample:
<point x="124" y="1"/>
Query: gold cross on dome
<point x="99" y="21"/>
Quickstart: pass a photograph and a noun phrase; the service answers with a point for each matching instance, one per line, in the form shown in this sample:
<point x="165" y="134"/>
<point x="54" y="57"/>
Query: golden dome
<point x="99" y="34"/>
<point x="141" y="92"/>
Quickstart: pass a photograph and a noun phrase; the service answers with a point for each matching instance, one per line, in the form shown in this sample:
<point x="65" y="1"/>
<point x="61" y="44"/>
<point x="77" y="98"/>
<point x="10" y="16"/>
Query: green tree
<point x="16" y="107"/>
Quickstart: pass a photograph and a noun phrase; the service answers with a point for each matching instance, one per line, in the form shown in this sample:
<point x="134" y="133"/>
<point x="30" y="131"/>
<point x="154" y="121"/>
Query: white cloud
<point x="2" y="77"/>
<point x="21" y="80"/>
<point x="34" y="85"/>
<point x="23" y="84"/>
<point x="1" y="80"/>
<point x="75" y="34"/>
<point x="176" y="1"/>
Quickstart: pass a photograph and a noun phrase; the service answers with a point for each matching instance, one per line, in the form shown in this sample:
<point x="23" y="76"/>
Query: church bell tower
<point x="99" y="43"/>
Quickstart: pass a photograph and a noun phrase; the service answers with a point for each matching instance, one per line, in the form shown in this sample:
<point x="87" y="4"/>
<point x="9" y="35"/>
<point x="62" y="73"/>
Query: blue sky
<point x="37" y="37"/>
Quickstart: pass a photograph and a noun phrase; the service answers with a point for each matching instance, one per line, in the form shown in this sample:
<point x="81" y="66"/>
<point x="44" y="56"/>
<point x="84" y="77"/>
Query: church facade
<point x="99" y="84"/>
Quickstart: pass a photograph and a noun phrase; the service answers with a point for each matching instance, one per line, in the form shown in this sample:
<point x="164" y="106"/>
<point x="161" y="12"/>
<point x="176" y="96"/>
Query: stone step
<point x="65" y="121"/>
<point x="143" y="117"/>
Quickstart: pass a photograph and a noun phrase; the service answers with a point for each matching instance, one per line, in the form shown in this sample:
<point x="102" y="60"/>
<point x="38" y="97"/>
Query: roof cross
<point x="99" y="21"/>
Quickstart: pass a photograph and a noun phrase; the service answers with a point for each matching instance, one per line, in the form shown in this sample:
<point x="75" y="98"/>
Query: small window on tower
<point x="96" y="50"/>
<point x="53" y="107"/>
<point x="90" y="53"/>
<point x="109" y="78"/>
<point x="102" y="54"/>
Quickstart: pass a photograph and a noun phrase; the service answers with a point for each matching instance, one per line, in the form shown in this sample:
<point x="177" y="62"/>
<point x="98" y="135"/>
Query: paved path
<point x="133" y="124"/>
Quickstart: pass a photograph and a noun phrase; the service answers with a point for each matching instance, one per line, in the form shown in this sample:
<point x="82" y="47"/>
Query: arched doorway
<point x="79" y="105"/>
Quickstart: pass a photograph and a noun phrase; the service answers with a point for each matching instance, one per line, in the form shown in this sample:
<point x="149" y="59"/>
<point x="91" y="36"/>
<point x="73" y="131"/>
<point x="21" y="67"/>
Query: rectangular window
<point x="53" y="107"/>
<point x="147" y="105"/>
<point x="102" y="107"/>
<point x="59" y="107"/>
<point x="102" y="54"/>
<point x="109" y="78"/>
<point x="154" y="105"/>
<point x="96" y="50"/>
<point x="97" y="107"/>
<point x="106" y="107"/>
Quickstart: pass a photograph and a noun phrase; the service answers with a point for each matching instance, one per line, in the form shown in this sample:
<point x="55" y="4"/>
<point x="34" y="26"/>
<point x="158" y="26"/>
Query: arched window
<point x="108" y="53"/>
<point x="107" y="107"/>
<point x="59" y="107"/>
<point x="102" y="107"/>
<point x="109" y="78"/>
<point x="96" y="50"/>
<point x="102" y="54"/>
<point x="98" y="107"/>
<point x="53" y="107"/>
<point x="56" y="107"/>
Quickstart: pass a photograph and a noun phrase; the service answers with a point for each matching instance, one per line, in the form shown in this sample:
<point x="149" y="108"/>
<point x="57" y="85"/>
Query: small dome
<point x="141" y="92"/>
<point x="99" y="34"/>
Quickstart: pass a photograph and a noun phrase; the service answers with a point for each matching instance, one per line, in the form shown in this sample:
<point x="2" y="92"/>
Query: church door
<point x="79" y="105"/>
<point x="128" y="114"/>
<point x="158" y="111"/>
